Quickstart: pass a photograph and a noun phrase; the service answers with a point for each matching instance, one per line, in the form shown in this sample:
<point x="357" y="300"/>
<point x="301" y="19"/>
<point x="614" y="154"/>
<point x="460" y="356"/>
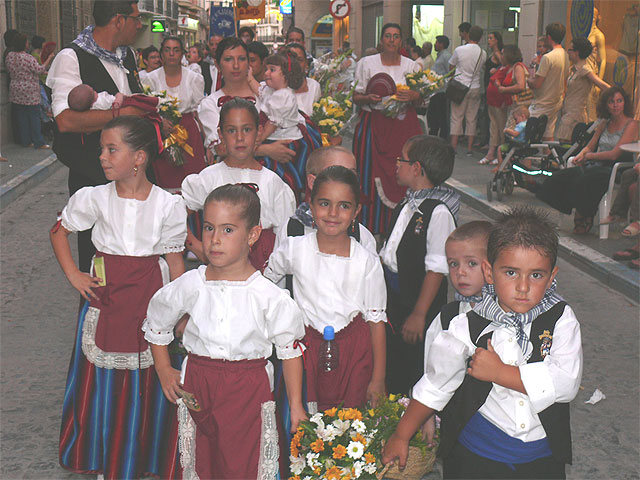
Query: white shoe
<point x="486" y="161"/>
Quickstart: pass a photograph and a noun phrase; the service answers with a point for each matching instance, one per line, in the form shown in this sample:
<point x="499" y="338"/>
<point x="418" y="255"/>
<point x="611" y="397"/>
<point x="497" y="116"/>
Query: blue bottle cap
<point x="328" y="333"/>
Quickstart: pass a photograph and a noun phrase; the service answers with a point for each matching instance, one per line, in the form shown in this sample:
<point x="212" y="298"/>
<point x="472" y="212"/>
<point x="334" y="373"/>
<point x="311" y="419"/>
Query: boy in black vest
<point x="521" y="350"/>
<point x="413" y="256"/>
<point x="466" y="250"/>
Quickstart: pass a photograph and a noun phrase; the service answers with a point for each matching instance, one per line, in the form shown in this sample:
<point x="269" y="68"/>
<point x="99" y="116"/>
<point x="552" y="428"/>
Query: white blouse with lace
<point x="190" y="92"/>
<point x="277" y="202"/>
<point x="230" y="320"/>
<point x="331" y="290"/>
<point x="125" y="226"/>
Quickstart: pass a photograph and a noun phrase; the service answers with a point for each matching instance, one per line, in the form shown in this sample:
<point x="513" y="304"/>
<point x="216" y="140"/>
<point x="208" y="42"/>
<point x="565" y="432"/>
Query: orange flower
<point x="295" y="477"/>
<point x="317" y="446"/>
<point x="339" y="452"/>
<point x="331" y="412"/>
<point x="317" y="470"/>
<point x="369" y="458"/>
<point x="352" y="414"/>
<point x="334" y="473"/>
<point x="294" y="450"/>
<point x="359" y="438"/>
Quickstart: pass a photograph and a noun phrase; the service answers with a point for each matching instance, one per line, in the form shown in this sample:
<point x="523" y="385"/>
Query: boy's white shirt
<point x="436" y="328"/>
<point x="440" y="227"/>
<point x="554" y="380"/>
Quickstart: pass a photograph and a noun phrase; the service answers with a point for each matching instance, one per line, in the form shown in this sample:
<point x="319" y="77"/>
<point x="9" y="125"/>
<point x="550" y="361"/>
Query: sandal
<point x="582" y="224"/>
<point x="485" y="161"/>
<point x="628" y="254"/>
<point x="631" y="230"/>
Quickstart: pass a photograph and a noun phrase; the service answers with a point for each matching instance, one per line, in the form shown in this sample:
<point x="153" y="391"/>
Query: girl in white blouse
<point x="337" y="283"/>
<point x="236" y="317"/>
<point x="134" y="224"/>
<point x="238" y="129"/>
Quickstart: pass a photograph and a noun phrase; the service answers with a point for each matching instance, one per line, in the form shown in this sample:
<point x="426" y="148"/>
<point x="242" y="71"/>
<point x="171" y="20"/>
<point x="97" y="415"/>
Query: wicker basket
<point x="418" y="465"/>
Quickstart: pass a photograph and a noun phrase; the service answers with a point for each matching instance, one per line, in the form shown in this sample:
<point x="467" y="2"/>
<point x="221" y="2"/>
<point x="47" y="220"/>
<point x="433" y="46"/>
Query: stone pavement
<point x="39" y="310"/>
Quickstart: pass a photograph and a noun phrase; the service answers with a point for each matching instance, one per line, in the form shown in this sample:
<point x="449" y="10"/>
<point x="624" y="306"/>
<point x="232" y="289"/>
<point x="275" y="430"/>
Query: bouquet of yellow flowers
<point x="425" y="82"/>
<point x="175" y="140"/>
<point x="330" y="113"/>
<point x="335" y="444"/>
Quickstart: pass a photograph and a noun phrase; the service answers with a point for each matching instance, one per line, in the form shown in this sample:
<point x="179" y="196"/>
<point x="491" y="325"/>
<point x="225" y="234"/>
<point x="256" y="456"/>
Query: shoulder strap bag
<point x="456" y="90"/>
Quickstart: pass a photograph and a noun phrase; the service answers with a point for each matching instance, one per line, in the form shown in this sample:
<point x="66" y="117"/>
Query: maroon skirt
<point x="348" y="384"/>
<point x="235" y="431"/>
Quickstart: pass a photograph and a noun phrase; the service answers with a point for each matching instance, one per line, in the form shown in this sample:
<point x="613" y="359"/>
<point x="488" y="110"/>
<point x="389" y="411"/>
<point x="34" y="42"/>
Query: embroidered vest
<point x="295" y="228"/>
<point x="78" y="151"/>
<point x="473" y="393"/>
<point x="411" y="252"/>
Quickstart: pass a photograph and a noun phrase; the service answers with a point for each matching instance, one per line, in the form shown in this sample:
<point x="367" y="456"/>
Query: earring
<point x="313" y="223"/>
<point x="135" y="171"/>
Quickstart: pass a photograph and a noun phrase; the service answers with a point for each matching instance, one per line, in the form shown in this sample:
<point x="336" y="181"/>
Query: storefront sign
<point x="286" y="7"/>
<point x="249" y="9"/>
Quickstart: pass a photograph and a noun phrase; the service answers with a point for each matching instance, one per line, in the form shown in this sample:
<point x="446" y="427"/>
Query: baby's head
<point x="521" y="114"/>
<point x="425" y="156"/>
<point x="324" y="157"/>
<point x="521" y="258"/>
<point x="466" y="250"/>
<point x="283" y="70"/>
<point x="81" y="98"/>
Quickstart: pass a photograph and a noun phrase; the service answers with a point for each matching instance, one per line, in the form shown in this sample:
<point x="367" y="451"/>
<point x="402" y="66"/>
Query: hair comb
<point x="251" y="186"/>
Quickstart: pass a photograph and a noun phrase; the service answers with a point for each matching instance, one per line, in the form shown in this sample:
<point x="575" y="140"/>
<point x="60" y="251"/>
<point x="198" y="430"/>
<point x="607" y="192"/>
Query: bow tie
<point x="225" y="98"/>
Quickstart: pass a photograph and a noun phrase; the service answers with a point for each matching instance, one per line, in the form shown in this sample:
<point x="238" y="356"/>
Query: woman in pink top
<point x="24" y="92"/>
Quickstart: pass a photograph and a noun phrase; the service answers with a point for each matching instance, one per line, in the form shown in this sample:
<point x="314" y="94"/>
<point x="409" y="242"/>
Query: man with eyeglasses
<point x="100" y="58"/>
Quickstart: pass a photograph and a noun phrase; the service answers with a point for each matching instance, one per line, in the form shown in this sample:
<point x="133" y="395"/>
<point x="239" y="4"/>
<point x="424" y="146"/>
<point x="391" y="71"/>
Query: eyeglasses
<point x="136" y="18"/>
<point x="404" y="160"/>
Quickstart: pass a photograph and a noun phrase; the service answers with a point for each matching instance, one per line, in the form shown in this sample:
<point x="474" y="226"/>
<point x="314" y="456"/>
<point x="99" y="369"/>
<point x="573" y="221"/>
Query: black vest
<point x="295" y="228"/>
<point x="206" y="73"/>
<point x="412" y="247"/>
<point x="448" y="313"/>
<point x="473" y="393"/>
<point x="80" y="151"/>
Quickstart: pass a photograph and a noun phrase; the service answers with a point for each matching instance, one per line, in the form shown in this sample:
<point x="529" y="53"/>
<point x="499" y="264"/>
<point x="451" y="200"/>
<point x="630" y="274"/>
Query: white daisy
<point x="355" y="450"/>
<point x="297" y="464"/>
<point x="370" y="468"/>
<point x="359" y="426"/>
<point x="357" y="469"/>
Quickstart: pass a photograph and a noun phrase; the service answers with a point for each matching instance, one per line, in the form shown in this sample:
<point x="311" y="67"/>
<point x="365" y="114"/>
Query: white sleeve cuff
<point x="538" y="385"/>
<point x="436" y="263"/>
<point x="375" y="316"/>
<point x="155" y="336"/>
<point x="289" y="351"/>
<point x="427" y="394"/>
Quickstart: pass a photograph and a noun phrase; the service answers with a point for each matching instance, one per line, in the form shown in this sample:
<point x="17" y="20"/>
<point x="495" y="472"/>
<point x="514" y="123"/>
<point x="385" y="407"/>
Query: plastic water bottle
<point x="328" y="351"/>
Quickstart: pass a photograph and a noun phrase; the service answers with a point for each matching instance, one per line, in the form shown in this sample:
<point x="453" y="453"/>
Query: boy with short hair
<point x="466" y="250"/>
<point x="509" y="417"/>
<point x="413" y="256"/>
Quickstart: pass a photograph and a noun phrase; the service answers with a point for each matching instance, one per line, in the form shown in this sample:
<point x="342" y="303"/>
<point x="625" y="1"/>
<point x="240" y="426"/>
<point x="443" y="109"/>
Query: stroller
<point x="580" y="136"/>
<point x="525" y="164"/>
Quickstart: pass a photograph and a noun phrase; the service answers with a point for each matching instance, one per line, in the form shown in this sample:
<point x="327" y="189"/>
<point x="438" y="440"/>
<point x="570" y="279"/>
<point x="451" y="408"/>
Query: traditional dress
<point x="277" y="202"/>
<point x="189" y="93"/>
<point x="115" y="419"/>
<point x="378" y="141"/>
<point x="342" y="292"/>
<point x="281" y="108"/>
<point x="231" y="333"/>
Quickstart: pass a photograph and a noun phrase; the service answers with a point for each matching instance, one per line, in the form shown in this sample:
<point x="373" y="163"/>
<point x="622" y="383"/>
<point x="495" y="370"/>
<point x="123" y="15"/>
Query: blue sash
<point x="485" y="439"/>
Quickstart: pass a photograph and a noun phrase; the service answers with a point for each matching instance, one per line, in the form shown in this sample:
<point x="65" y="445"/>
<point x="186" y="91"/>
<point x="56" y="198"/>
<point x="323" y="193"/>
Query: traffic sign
<point x="339" y="9"/>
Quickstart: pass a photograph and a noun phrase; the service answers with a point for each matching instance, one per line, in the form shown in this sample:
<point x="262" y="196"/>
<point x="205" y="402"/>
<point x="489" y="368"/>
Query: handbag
<point x="524" y="97"/>
<point x="456" y="90"/>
